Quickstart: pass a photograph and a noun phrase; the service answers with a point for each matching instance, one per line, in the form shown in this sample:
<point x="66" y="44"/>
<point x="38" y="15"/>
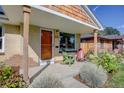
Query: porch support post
<point x="95" y="41"/>
<point x="122" y="44"/>
<point x="26" y="15"/>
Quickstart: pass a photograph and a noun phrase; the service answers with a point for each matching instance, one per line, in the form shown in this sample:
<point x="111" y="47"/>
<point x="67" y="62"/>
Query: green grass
<point x="118" y="79"/>
<point x="121" y="67"/>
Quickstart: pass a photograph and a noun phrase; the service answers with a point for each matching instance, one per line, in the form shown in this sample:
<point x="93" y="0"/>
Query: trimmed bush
<point x="92" y="75"/>
<point x="47" y="82"/>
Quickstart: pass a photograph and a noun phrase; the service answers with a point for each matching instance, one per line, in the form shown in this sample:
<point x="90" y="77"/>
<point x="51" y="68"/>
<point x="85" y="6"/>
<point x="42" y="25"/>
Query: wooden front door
<point x="46" y="45"/>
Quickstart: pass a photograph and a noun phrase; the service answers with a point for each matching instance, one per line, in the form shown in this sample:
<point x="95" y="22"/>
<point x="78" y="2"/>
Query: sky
<point x="110" y="15"/>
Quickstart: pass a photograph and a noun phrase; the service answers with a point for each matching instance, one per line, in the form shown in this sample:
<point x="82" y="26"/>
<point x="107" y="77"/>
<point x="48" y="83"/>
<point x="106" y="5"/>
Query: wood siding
<point x="87" y="45"/>
<point x="74" y="11"/>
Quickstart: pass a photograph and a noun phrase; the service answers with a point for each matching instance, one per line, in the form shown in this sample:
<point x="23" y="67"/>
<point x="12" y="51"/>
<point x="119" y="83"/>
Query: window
<point x="1" y="11"/>
<point x="67" y="41"/>
<point x="101" y="43"/>
<point x="1" y="40"/>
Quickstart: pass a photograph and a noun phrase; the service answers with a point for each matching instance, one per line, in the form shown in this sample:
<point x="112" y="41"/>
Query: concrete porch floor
<point x="64" y="73"/>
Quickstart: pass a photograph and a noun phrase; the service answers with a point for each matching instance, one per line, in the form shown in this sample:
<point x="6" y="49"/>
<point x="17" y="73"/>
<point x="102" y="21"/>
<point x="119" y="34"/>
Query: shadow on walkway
<point x="38" y="72"/>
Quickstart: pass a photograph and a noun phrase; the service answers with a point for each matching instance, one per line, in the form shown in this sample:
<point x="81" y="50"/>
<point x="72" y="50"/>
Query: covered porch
<point x="45" y="20"/>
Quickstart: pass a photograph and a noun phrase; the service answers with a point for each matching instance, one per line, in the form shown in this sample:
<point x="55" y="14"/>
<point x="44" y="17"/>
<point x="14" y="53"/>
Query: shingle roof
<point x="114" y="36"/>
<point x="109" y="37"/>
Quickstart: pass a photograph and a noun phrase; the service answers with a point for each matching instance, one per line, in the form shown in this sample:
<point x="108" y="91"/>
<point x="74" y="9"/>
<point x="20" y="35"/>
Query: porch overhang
<point x="47" y="18"/>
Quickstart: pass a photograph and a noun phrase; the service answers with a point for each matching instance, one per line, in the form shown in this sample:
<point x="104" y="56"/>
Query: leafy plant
<point x="68" y="59"/>
<point x="93" y="58"/>
<point x="107" y="60"/>
<point x="9" y="78"/>
<point x="6" y="72"/>
<point x="92" y="75"/>
<point x="14" y="81"/>
<point x="90" y="52"/>
<point x="121" y="56"/>
<point x="47" y="81"/>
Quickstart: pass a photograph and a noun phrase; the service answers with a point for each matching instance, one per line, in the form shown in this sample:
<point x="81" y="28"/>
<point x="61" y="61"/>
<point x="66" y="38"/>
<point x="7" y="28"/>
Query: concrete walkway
<point x="65" y="73"/>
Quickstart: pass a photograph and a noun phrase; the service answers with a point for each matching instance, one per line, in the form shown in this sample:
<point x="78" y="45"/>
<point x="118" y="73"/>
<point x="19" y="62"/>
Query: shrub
<point x="92" y="58"/>
<point x="6" y="71"/>
<point x="14" y="81"/>
<point x="89" y="53"/>
<point x="9" y="78"/>
<point x="107" y="60"/>
<point x="68" y="59"/>
<point x="47" y="82"/>
<point x="92" y="75"/>
<point x="120" y="58"/>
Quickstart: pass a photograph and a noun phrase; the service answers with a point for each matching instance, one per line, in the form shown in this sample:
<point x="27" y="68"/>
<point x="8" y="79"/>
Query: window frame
<point x="3" y="39"/>
<point x="68" y="50"/>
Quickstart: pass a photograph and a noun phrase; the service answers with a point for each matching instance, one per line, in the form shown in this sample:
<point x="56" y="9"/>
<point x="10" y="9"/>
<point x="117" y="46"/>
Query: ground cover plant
<point x="47" y="81"/>
<point x="92" y="75"/>
<point x="10" y="78"/>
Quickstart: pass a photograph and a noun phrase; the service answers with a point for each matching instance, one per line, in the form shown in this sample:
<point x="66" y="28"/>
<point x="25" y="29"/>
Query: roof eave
<point x="94" y="18"/>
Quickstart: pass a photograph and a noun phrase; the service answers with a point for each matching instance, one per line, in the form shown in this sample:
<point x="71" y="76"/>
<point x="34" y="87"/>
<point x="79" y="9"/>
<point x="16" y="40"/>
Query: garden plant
<point x="10" y="78"/>
<point x="92" y="75"/>
<point x="47" y="81"/>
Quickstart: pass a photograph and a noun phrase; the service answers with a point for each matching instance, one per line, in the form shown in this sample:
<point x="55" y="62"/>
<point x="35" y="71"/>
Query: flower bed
<point x="91" y="75"/>
<point x="94" y="77"/>
<point x="10" y="77"/>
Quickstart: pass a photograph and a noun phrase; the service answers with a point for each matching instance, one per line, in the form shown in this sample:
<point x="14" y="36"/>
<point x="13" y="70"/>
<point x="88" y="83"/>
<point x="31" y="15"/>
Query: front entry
<point x="46" y="45"/>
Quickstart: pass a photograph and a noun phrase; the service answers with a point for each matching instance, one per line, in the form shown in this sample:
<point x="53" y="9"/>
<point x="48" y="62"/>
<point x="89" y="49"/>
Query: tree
<point x="110" y="31"/>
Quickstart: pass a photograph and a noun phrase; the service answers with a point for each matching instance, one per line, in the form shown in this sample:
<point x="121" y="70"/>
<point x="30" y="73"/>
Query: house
<point x="105" y="43"/>
<point x="39" y="32"/>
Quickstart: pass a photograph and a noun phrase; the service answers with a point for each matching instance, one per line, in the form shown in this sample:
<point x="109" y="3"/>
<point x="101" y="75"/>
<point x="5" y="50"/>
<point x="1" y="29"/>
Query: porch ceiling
<point x="44" y="19"/>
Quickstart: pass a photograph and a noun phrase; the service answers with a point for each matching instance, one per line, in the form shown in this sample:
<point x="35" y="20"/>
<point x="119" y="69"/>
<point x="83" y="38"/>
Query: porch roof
<point x="46" y="18"/>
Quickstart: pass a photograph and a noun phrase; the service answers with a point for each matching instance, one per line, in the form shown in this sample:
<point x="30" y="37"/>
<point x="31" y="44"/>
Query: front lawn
<point x="117" y="80"/>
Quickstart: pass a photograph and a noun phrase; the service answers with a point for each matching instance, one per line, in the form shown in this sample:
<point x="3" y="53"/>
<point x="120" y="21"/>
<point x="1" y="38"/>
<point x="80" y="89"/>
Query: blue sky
<point x="110" y="15"/>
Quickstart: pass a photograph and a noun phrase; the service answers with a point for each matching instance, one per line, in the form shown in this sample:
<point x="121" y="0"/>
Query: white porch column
<point x="95" y="41"/>
<point x="26" y="15"/>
